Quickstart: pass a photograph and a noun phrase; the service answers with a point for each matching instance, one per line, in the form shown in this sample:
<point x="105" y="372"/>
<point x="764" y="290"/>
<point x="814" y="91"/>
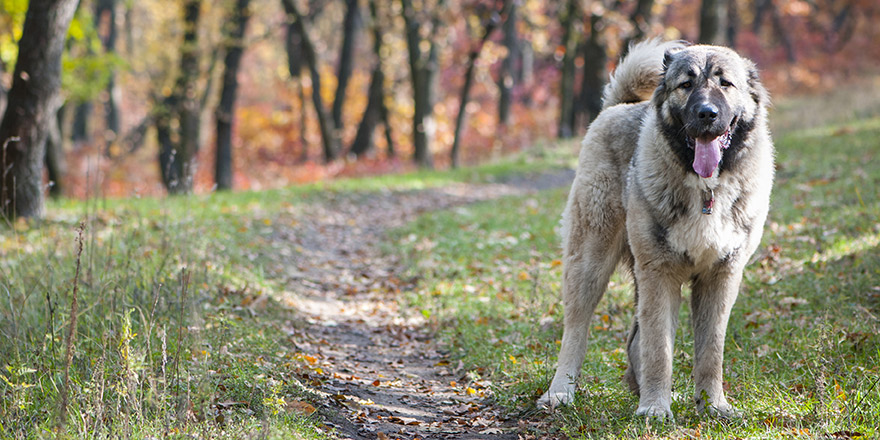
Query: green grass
<point x="802" y="354"/>
<point x="168" y="342"/>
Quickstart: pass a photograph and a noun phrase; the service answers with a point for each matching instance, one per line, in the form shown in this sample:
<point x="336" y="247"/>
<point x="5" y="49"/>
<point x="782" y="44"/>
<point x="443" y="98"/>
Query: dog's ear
<point x="660" y="92"/>
<point x="757" y="91"/>
<point x="674" y="47"/>
<point x="667" y="59"/>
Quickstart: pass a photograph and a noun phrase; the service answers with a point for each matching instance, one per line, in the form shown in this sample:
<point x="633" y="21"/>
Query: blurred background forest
<point x="187" y="95"/>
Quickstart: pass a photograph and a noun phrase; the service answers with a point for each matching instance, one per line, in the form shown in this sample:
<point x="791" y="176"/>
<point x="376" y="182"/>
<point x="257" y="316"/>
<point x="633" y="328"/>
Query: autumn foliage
<point x="799" y="46"/>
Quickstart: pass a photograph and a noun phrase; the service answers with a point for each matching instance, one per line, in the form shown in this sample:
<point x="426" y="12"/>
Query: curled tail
<point x="638" y="73"/>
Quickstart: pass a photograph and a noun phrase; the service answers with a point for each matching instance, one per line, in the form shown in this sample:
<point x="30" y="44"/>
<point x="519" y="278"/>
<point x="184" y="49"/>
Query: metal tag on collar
<point x="708" y="203"/>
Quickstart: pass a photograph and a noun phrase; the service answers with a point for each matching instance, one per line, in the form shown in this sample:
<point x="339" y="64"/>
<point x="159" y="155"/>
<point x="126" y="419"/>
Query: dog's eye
<point x="686" y="85"/>
<point x="725" y="83"/>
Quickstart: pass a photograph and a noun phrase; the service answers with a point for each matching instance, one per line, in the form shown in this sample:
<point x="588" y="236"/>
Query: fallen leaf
<point x="301" y="407"/>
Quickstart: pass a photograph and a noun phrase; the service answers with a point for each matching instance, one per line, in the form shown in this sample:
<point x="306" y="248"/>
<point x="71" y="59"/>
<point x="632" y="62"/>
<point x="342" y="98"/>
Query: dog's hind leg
<point x="631" y="375"/>
<point x="594" y="240"/>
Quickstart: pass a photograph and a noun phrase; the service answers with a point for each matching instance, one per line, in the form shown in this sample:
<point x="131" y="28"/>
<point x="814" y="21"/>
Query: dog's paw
<point x="725" y="411"/>
<point x="553" y="399"/>
<point x="655" y="411"/>
<point x="717" y="408"/>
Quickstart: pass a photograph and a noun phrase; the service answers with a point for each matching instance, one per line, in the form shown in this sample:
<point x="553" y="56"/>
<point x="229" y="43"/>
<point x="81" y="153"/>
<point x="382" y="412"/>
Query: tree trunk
<point x="350" y="24"/>
<point x="177" y="159"/>
<point x="732" y="23"/>
<point x="82" y="130"/>
<point x="641" y="21"/>
<point x="468" y="82"/>
<point x="462" y="106"/>
<point x="363" y="141"/>
<point x="594" y="75"/>
<point x="303" y="123"/>
<point x="293" y="47"/>
<point x="386" y="123"/>
<point x="423" y="71"/>
<point x="424" y="125"/>
<point x="56" y="163"/>
<point x="234" y="41"/>
<point x="33" y="101"/>
<point x="3" y="90"/>
<point x="105" y="13"/>
<point x="761" y="7"/>
<point x="506" y="76"/>
<point x="781" y="33"/>
<point x="713" y="21"/>
<point x="328" y="131"/>
<point x="566" y="87"/>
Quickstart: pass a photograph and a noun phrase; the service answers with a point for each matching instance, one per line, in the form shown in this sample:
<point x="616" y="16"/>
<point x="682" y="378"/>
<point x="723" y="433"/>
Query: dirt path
<point x="383" y="376"/>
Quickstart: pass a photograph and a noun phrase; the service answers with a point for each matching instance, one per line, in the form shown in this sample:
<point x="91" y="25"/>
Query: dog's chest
<point x="706" y="239"/>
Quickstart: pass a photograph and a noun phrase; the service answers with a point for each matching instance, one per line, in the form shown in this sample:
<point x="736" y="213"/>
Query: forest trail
<point x="379" y="371"/>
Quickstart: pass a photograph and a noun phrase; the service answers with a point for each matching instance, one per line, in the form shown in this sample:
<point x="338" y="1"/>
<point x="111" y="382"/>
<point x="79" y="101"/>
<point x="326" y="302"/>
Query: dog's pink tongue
<point x="707" y="155"/>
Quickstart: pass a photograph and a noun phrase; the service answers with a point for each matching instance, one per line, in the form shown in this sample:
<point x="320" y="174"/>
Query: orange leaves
<point x="300" y="407"/>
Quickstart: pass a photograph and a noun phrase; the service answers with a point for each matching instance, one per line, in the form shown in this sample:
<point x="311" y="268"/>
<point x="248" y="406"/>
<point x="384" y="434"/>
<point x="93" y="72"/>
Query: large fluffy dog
<point x="674" y="181"/>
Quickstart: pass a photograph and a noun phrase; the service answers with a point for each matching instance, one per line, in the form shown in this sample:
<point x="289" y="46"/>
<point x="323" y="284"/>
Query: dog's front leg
<point x="659" y="302"/>
<point x="712" y="298"/>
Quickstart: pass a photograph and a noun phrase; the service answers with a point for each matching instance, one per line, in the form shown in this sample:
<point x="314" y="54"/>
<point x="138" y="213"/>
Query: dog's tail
<point x="638" y="73"/>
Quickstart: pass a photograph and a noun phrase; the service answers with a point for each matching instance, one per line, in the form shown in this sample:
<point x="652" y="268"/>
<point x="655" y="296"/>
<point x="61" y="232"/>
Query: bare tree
<point x="179" y="142"/>
<point x="328" y="130"/>
<point x="234" y="43"/>
<point x="506" y="76"/>
<point x="32" y="102"/>
<point x="423" y="72"/>
<point x="376" y="108"/>
<point x="105" y="17"/>
<point x="293" y="47"/>
<point x="761" y="8"/>
<point x="489" y="26"/>
<point x="733" y="22"/>
<point x="713" y="21"/>
<point x="351" y="25"/>
<point x="3" y="90"/>
<point x="589" y="101"/>
<point x="641" y="21"/>
<point x="56" y="163"/>
<point x="569" y="19"/>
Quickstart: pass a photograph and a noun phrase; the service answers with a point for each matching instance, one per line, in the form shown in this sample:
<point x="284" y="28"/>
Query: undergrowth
<point x="144" y="326"/>
<point x="166" y="318"/>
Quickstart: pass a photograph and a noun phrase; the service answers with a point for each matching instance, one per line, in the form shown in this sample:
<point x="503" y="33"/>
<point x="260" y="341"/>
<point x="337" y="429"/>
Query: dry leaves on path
<point x="381" y="372"/>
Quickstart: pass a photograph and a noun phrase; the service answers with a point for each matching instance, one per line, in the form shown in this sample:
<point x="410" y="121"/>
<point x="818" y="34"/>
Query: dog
<point x="673" y="184"/>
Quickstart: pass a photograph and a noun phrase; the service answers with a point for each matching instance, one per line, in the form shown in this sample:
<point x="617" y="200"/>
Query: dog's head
<point x="708" y="102"/>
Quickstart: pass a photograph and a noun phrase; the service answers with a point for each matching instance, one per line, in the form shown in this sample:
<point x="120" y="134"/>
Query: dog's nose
<point x="708" y="111"/>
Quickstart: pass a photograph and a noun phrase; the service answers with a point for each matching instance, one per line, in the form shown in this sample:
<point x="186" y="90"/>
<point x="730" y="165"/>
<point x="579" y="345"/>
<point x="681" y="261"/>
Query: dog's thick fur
<point x="682" y="128"/>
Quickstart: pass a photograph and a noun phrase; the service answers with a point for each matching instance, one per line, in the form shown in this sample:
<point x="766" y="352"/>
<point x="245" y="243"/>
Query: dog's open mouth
<point x="707" y="151"/>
